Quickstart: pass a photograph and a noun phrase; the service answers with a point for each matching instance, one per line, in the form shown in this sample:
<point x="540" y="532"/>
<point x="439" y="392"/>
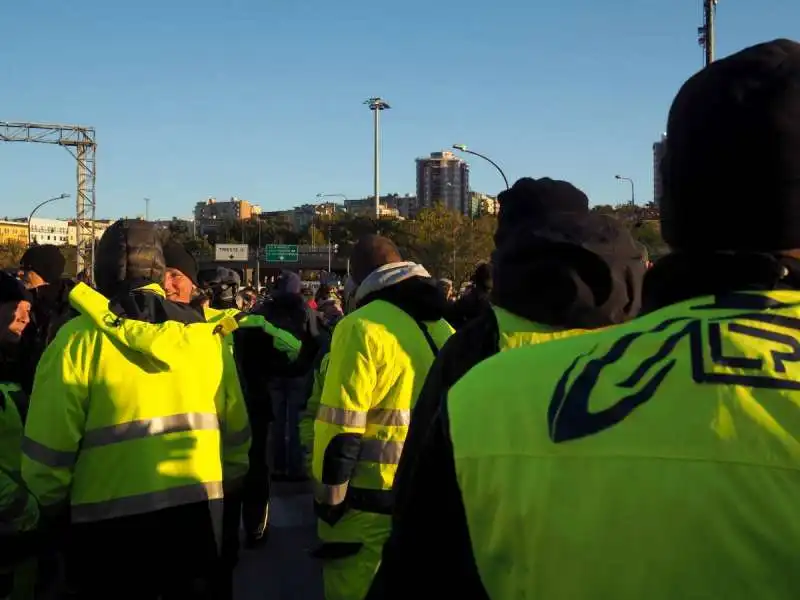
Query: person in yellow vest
<point x="261" y="350"/>
<point x="558" y="271"/>
<point x="135" y="439"/>
<point x="657" y="459"/>
<point x="379" y="356"/>
<point x="317" y="377"/>
<point x="19" y="511"/>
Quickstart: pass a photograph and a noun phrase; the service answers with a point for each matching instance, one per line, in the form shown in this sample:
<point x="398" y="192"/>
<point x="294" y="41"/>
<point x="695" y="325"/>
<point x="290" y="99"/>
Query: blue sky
<point x="262" y="98"/>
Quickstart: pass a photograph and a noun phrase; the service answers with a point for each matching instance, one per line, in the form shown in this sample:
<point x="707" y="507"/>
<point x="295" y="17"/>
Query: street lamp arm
<point x="490" y="161"/>
<point x="37" y="207"/>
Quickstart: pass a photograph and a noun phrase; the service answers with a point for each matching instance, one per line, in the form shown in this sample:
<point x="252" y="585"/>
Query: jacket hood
<point x="164" y="341"/>
<point x="577" y="272"/>
<point x="289" y="283"/>
<point x="408" y="286"/>
<point x="388" y="275"/>
<point x="129" y="251"/>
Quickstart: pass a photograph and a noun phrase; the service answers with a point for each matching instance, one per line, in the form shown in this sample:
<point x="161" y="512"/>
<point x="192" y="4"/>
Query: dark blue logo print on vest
<point x="570" y="417"/>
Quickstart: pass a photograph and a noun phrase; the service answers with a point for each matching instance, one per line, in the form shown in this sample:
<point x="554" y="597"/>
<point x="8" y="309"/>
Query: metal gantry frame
<point x="81" y="143"/>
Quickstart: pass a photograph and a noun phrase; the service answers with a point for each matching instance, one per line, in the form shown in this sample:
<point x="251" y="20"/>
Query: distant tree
<point x="70" y="254"/>
<point x="446" y="243"/>
<point x="10" y="253"/>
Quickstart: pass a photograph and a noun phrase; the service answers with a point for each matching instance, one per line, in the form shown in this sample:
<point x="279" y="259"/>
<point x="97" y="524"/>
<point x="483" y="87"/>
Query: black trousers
<point x="171" y="554"/>
<point x="256" y="494"/>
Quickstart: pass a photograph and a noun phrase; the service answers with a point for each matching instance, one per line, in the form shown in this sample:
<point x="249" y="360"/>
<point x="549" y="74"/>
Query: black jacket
<point x="50" y="309"/>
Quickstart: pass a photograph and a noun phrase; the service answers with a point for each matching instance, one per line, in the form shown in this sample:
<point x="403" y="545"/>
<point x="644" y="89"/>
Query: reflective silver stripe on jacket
<point x="122" y="432"/>
<point x="55" y="459"/>
<point x="237" y="438"/>
<point x="330" y="495"/>
<point x="380" y="451"/>
<point x="144" y="503"/>
<point x="134" y="430"/>
<point x="387" y="417"/>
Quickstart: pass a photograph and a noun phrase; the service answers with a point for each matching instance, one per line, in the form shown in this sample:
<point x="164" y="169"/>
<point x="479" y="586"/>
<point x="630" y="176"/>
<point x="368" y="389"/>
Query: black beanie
<point x="12" y="289"/>
<point x="731" y="171"/>
<point x="45" y="260"/>
<point x="532" y="201"/>
<point x="177" y="257"/>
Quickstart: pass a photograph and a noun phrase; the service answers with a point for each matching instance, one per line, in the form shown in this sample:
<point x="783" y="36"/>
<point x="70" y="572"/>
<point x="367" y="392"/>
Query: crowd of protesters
<point x="578" y="424"/>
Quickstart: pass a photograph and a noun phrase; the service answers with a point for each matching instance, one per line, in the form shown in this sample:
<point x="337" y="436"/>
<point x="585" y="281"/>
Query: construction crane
<point x="80" y="143"/>
<point x="706" y="34"/>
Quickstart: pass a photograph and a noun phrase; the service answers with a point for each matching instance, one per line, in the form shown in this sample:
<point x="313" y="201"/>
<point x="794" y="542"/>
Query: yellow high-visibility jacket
<point x="378" y="361"/>
<point x="128" y="417"/>
<point x="18" y="509"/>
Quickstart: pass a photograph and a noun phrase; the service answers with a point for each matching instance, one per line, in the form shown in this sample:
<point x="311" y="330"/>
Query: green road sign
<point x="281" y="253"/>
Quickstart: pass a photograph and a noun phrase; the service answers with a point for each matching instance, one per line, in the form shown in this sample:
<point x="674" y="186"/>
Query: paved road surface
<point x="282" y="570"/>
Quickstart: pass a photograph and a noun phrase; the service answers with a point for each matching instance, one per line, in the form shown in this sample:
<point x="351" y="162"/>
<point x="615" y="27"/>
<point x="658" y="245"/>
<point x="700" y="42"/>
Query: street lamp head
<point x="618" y="177"/>
<point x="320" y="195"/>
<point x="377" y="103"/>
<point x="462" y="147"/>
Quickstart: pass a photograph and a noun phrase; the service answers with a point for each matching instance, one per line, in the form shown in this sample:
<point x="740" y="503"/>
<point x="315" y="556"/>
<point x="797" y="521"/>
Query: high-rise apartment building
<point x="659" y="149"/>
<point x="443" y="178"/>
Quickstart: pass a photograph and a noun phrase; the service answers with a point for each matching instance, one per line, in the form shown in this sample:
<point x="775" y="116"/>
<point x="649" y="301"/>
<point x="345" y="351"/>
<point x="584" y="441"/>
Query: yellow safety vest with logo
<point x="377" y="363"/>
<point x="128" y="417"/>
<point x="658" y="459"/>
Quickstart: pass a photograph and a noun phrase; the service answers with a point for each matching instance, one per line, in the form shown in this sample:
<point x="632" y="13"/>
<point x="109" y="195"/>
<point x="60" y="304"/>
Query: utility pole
<point x="707" y="33"/>
<point x="329" y="249"/>
<point x="376" y="105"/>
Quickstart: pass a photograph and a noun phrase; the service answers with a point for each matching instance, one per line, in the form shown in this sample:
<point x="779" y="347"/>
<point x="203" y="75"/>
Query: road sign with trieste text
<point x="230" y="252"/>
<point x="281" y="253"/>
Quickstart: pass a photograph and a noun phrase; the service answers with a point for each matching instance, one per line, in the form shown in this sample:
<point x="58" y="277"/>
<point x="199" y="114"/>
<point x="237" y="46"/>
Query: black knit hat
<point x="532" y="201"/>
<point x="45" y="260"/>
<point x="731" y="171"/>
<point x="12" y="289"/>
<point x="177" y="257"/>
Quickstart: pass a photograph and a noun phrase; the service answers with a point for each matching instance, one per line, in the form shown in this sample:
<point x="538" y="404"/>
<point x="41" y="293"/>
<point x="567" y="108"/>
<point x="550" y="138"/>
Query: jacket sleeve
<point x="310" y="414"/>
<point x="55" y="424"/>
<point x="342" y="415"/>
<point x="235" y="424"/>
<point x="19" y="510"/>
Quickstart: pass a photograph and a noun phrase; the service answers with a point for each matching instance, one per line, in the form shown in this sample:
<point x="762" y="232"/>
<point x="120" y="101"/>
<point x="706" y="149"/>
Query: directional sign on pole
<point x="230" y="252"/>
<point x="281" y="253"/>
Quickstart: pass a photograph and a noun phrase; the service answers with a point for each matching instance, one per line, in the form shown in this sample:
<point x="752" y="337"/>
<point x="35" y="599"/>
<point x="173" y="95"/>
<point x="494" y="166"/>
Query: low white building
<point x="50" y="231"/>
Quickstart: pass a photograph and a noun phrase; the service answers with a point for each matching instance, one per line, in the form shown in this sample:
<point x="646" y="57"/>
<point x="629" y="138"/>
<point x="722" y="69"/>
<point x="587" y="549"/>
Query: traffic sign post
<point x="281" y="253"/>
<point x="231" y="252"/>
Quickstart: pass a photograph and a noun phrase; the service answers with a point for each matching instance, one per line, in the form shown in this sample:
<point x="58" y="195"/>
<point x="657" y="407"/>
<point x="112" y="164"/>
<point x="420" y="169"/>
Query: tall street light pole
<point x="376" y="105"/>
<point x="330" y="240"/>
<point x="633" y="189"/>
<point x="37" y="207"/>
<point x="707" y="32"/>
<point x="258" y="256"/>
<point x="463" y="148"/>
<point x="147" y="209"/>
